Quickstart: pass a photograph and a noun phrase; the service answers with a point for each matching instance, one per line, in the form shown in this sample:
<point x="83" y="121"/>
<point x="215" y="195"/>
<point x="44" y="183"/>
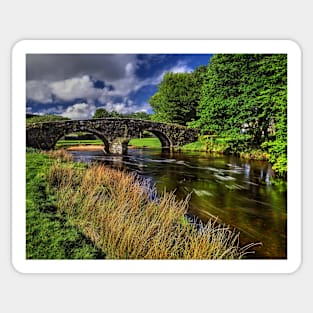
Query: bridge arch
<point x="164" y="139"/>
<point x="69" y="130"/>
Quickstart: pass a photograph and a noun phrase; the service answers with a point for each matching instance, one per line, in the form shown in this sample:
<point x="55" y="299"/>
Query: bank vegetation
<point x="116" y="215"/>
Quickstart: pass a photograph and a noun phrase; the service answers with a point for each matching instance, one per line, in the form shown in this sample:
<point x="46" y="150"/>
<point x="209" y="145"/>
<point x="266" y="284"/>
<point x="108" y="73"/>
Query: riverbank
<point x="219" y="146"/>
<point x="49" y="234"/>
<point x="119" y="214"/>
<point x="85" y="148"/>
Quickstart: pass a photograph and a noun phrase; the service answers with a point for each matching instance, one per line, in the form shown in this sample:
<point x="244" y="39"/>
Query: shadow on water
<point x="237" y="192"/>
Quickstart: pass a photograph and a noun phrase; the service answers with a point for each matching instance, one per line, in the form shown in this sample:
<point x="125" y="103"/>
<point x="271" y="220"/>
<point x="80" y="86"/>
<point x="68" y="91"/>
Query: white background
<point x="153" y="20"/>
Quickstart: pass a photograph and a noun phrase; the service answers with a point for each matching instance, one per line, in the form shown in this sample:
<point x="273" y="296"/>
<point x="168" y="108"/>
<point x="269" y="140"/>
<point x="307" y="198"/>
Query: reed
<point x="122" y="215"/>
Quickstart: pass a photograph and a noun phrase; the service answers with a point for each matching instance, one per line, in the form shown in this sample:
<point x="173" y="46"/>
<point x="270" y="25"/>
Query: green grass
<point x="69" y="143"/>
<point x="221" y="146"/>
<point x="194" y="146"/>
<point x="50" y="235"/>
<point x="151" y="142"/>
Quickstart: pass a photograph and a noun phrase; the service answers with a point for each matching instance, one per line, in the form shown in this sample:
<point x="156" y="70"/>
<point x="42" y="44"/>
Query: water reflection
<point x="238" y="192"/>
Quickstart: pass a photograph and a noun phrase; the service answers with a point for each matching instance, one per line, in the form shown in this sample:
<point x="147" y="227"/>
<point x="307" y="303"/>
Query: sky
<point x="75" y="85"/>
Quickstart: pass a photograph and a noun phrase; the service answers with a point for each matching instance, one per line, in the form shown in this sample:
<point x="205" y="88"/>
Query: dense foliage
<point x="103" y="113"/>
<point x="178" y="97"/>
<point x="244" y="99"/>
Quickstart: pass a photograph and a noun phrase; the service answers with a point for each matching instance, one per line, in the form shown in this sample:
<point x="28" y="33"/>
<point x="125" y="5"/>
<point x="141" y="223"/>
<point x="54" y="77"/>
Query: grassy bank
<point x="49" y="234"/>
<point x="214" y="145"/>
<point x="115" y="213"/>
<point x="151" y="142"/>
<point x="223" y="146"/>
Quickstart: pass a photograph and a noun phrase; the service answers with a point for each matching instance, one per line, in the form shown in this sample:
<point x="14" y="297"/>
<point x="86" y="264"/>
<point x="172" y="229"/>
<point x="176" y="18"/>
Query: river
<point x="236" y="191"/>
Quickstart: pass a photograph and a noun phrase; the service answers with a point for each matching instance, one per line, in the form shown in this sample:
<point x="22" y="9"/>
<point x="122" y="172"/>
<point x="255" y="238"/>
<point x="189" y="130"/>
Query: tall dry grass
<point x="60" y="154"/>
<point x="121" y="214"/>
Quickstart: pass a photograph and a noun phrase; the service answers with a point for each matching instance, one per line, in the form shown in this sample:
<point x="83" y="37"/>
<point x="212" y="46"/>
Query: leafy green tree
<point x="115" y="114"/>
<point x="138" y="115"/>
<point x="178" y="96"/>
<point x="244" y="98"/>
<point x="101" y="113"/>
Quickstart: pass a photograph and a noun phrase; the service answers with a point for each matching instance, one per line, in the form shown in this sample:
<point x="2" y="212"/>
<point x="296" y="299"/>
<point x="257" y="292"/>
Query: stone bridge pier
<point x="114" y="132"/>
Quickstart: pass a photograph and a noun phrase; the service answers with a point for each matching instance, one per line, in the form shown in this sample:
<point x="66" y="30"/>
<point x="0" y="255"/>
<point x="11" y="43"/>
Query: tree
<point x="101" y="113"/>
<point x="178" y="96"/>
<point x="244" y="98"/>
<point x="138" y="115"/>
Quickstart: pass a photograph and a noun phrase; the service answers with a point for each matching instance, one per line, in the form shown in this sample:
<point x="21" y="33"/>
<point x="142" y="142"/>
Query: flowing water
<point x="237" y="192"/>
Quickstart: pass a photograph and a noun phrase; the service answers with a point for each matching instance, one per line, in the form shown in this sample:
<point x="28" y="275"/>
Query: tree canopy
<point x="103" y="113"/>
<point x="178" y="97"/>
<point x="244" y="98"/>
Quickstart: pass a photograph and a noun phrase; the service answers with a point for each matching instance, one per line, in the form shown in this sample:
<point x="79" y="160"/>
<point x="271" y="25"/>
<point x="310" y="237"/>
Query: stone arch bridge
<point x="114" y="132"/>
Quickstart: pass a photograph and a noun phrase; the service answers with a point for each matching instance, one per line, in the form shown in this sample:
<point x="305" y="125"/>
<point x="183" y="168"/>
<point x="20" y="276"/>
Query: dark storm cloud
<point x="54" y="67"/>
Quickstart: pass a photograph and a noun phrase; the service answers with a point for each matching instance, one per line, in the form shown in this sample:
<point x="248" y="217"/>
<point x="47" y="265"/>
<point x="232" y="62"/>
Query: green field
<point x="152" y="142"/>
<point x="69" y="143"/>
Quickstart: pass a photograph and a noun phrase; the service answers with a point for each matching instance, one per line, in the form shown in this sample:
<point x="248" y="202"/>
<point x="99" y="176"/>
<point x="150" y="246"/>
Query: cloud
<point x="39" y="91"/>
<point x="180" y="67"/>
<point x="80" y="111"/>
<point x="67" y="79"/>
<point x="54" y="67"/>
<point x="66" y="90"/>
<point x="126" y="107"/>
<point x="58" y="110"/>
<point x="75" y="88"/>
<point x="71" y="76"/>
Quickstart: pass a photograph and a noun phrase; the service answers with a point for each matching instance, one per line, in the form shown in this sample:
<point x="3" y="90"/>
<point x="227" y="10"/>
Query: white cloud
<point x="80" y="111"/>
<point x="180" y="67"/>
<point x="39" y="91"/>
<point x="126" y="107"/>
<point x="144" y="107"/>
<point x="120" y="107"/>
<point x="126" y="84"/>
<point x="51" y="110"/>
<point x="74" y="88"/>
<point x="130" y="69"/>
